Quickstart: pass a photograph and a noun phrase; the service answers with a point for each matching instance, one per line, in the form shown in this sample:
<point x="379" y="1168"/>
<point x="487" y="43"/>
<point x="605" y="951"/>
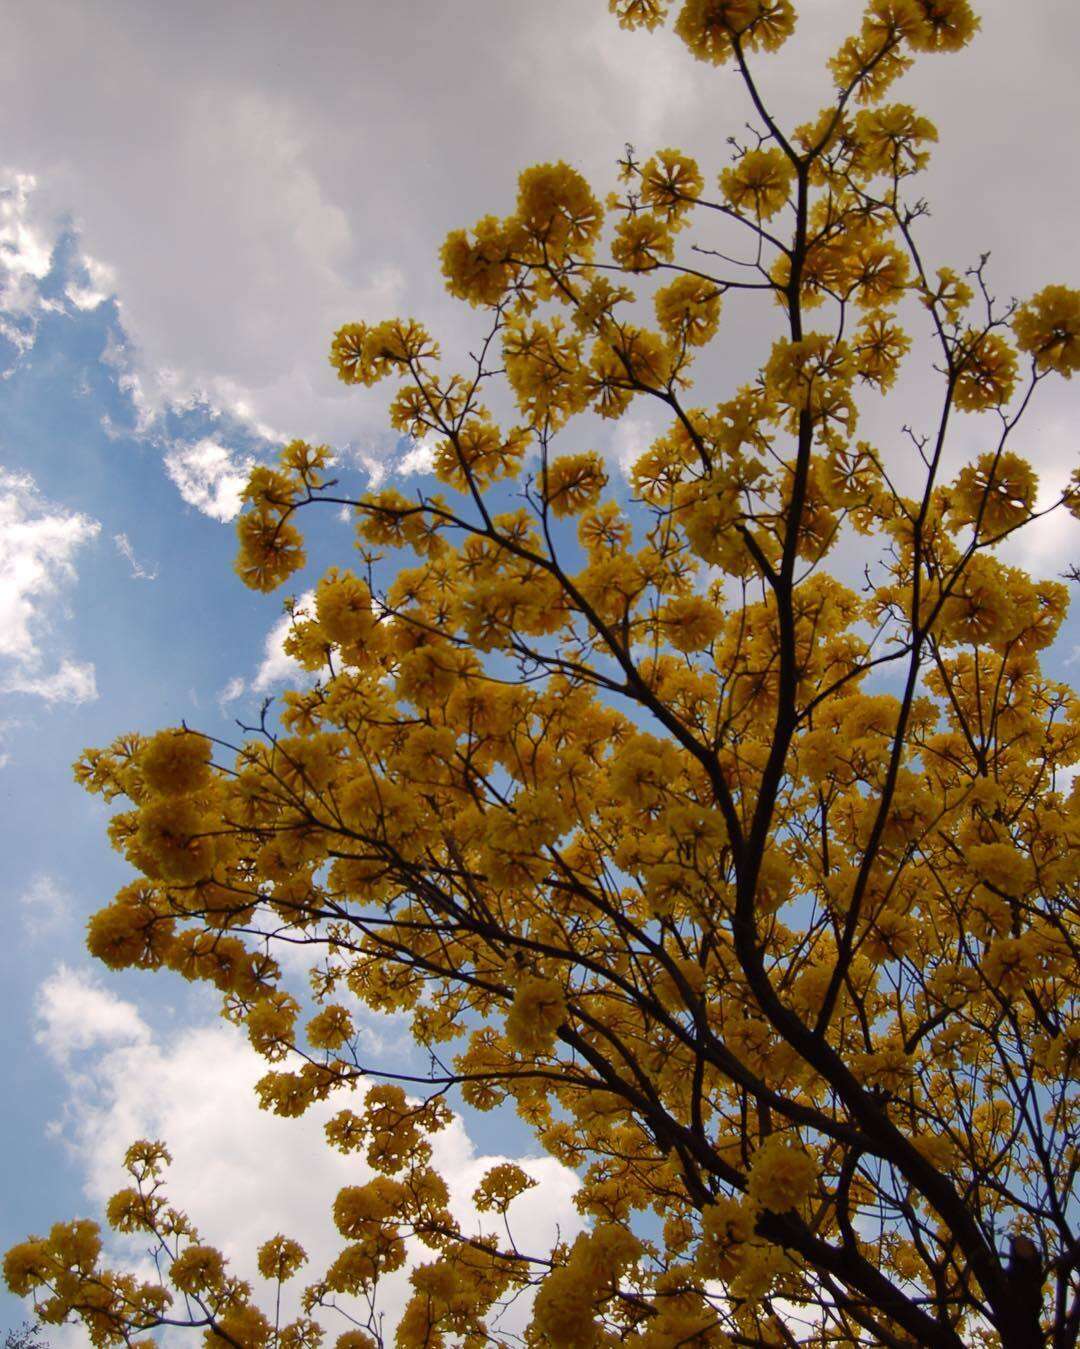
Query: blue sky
<point x="188" y="207"/>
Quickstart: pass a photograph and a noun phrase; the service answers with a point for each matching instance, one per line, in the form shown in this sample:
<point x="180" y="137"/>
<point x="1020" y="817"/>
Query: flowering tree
<point x="26" y="1337"/>
<point x="754" y="894"/>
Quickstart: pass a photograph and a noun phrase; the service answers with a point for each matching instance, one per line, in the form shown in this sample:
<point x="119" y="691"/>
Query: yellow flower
<point x="573" y="482"/>
<point x="760" y="1267"/>
<point x="1048" y="327"/>
<point x="26" y="1266"/>
<point x="198" y="1269"/>
<point x="537" y="1012"/>
<point x="595" y="304"/>
<point x="132" y="931"/>
<point x="688" y="310"/>
<point x="305" y="461"/>
<point x="877" y="271"/>
<point x="363" y="354"/>
<point x="132" y="1211"/>
<point x="998" y="490"/>
<point x="947" y="26"/>
<point x="879" y="345"/>
<point x="953" y="294"/>
<point x="344" y="608"/>
<point x="987" y="371"/>
<point x="1009" y="964"/>
<point x="866" y="63"/>
<point x="711" y="29"/>
<point x="1002" y="866"/>
<point x="175" y="762"/>
<point x="280" y="1258"/>
<point x="671" y="182"/>
<point x="347" y="353"/>
<point x="269" y="490"/>
<point x="478" y="453"/>
<point x="813" y="374"/>
<point x="891" y="140"/>
<point x="241" y="1324"/>
<point x="557" y="208"/>
<point x="563" y="1310"/>
<point x="500" y="1187"/>
<point x="647" y="14"/>
<point x="544" y="369"/>
<point x="760" y="181"/>
<point x="481" y="270"/>
<point x="782" y="1176"/>
<point x="361" y="1209"/>
<point x="642" y="241"/>
<point x="726" y="1226"/>
<point x="270" y="550"/>
<point x="331" y="1028"/>
<point x="645" y="357"/>
<point x="173" y="842"/>
<point x="691" y="622"/>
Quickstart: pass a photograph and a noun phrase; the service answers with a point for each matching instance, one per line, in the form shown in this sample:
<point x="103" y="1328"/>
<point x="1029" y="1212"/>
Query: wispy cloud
<point x="276" y="667"/>
<point x="7" y="725"/>
<point x="377" y="470"/>
<point x="234" y="689"/>
<point x="138" y="571"/>
<point x="72" y="682"/>
<point x="45" y="905"/>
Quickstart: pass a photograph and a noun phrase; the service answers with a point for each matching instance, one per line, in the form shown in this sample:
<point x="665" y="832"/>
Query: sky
<point x="192" y="199"/>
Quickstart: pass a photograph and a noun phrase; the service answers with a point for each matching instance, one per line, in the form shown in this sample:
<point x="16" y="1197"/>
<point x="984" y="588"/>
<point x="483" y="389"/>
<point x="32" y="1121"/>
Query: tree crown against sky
<point x="752" y="890"/>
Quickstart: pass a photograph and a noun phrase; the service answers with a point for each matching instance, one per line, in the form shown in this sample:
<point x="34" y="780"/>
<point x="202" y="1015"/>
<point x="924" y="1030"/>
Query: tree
<point x="755" y="894"/>
<point x="26" y="1337"/>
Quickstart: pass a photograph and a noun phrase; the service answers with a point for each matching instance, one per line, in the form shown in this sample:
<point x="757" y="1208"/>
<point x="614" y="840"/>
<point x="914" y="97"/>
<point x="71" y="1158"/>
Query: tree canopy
<point x="752" y="889"/>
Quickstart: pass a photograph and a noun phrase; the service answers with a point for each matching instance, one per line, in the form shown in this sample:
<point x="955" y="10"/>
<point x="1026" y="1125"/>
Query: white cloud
<point x="631" y="436"/>
<point x="377" y="469"/>
<point x="38" y="545"/>
<point x="45" y="905"/>
<point x="25" y="248"/>
<point x="419" y="459"/>
<point x="138" y="571"/>
<point x="27" y="239"/>
<point x="99" y="286"/>
<point x="76" y="1013"/>
<point x="240" y="1173"/>
<point x="275" y="668"/>
<point x="73" y="682"/>
<point x="7" y="725"/>
<point x="209" y="476"/>
<point x="1047" y="547"/>
<point x="290" y="213"/>
<point x="233" y="689"/>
